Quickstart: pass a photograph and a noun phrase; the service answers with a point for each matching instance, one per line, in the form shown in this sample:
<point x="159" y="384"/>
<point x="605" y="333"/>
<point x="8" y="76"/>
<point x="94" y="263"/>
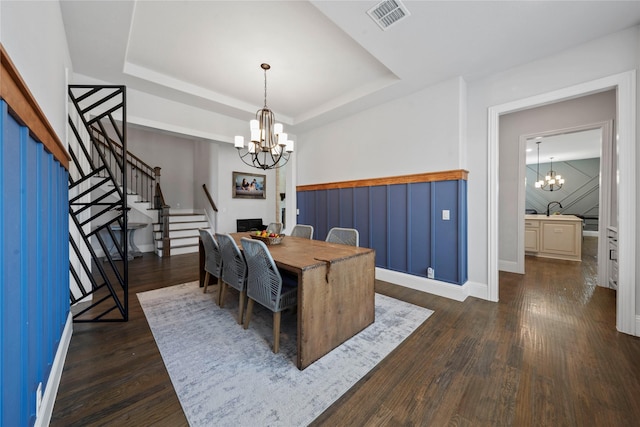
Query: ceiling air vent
<point x="388" y="13"/>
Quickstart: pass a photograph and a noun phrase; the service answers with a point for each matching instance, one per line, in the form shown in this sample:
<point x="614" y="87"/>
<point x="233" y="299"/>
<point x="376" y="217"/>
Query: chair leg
<point x="243" y="297"/>
<point x="276" y="331"/>
<point x="207" y="276"/>
<point x="223" y="288"/>
<point x="247" y="314"/>
<point x="219" y="295"/>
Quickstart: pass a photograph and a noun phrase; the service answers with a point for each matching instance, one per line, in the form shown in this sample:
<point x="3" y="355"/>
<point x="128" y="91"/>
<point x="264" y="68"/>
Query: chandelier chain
<point x="265" y="88"/>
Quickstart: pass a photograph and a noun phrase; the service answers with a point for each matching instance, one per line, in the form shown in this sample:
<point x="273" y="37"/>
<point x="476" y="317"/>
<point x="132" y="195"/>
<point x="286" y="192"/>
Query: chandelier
<point x="551" y="181"/>
<point x="269" y="147"/>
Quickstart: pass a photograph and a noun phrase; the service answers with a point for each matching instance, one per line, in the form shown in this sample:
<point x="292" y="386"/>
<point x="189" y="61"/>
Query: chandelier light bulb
<point x="282" y="139"/>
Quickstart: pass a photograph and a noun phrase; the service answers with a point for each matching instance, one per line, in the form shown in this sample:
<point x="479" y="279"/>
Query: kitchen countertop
<point x="553" y="217"/>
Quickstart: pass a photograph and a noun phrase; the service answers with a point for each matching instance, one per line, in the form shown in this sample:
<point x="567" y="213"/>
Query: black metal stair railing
<point x="98" y="183"/>
<point x="141" y="177"/>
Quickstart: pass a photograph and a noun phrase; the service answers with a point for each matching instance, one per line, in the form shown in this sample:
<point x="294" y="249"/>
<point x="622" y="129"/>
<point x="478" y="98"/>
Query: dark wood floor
<point x="547" y="354"/>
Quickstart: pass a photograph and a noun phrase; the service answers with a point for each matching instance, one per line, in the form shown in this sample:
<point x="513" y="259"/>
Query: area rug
<point x="225" y="375"/>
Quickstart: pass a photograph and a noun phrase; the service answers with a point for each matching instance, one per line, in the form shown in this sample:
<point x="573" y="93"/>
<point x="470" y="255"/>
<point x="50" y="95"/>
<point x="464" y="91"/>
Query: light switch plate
<point x="445" y="215"/>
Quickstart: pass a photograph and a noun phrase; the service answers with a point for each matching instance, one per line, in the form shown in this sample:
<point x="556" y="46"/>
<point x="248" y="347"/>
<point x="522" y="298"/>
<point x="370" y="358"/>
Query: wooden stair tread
<point x="182" y="246"/>
<point x="177" y="238"/>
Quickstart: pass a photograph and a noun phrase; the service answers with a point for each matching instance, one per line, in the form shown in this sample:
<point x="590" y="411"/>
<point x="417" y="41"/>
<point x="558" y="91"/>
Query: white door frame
<point x="625" y="83"/>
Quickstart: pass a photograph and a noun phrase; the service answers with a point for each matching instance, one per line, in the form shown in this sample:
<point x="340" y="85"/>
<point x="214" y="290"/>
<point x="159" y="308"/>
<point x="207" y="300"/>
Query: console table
<point x="132" y="250"/>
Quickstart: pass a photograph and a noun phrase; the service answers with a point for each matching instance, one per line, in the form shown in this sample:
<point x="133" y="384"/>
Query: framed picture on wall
<point x="249" y="186"/>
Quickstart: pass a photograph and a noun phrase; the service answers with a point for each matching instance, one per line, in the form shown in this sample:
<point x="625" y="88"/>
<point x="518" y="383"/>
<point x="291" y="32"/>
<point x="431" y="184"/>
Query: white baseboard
<point x="430" y="286"/>
<point x="45" y="411"/>
<point x="477" y="290"/>
<point x="637" y="331"/>
<point x="150" y="247"/>
<point x="590" y="233"/>
<point x="510" y="266"/>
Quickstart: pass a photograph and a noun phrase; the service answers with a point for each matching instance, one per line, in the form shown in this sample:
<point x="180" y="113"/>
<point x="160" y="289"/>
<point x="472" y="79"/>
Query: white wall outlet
<point x="445" y="215"/>
<point x="297" y="211"/>
<point x="430" y="273"/>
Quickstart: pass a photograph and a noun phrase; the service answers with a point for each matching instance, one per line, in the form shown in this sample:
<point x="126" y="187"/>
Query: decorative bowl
<point x="269" y="240"/>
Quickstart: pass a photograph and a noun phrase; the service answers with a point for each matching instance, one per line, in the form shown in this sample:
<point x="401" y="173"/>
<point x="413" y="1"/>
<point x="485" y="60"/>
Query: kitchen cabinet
<point x="531" y="236"/>
<point x="554" y="236"/>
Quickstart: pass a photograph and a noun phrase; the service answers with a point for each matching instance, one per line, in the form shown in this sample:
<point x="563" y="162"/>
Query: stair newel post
<point x="166" y="241"/>
<point x="156" y="197"/>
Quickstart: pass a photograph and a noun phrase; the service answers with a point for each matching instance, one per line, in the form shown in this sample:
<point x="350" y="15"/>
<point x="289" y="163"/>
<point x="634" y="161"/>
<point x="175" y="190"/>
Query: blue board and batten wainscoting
<point x="34" y="257"/>
<point x="400" y="217"/>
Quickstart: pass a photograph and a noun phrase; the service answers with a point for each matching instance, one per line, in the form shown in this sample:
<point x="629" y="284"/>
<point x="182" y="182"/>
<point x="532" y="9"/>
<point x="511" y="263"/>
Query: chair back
<point x="234" y="267"/>
<point x="212" y="254"/>
<point x="301" y="230"/>
<point x="264" y="283"/>
<point x="274" y="227"/>
<point x="344" y="236"/>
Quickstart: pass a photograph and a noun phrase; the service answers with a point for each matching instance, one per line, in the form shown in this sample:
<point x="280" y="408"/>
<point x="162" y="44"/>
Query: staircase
<point x="183" y="233"/>
<point x="145" y="197"/>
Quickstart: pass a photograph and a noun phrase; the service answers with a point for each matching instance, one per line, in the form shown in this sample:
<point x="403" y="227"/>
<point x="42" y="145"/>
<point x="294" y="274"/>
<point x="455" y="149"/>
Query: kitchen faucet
<point x="551" y="203"/>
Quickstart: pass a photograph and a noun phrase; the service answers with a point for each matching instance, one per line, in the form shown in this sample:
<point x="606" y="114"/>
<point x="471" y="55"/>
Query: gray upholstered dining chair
<point x="274" y="227"/>
<point x="212" y="258"/>
<point x="265" y="285"/>
<point x="344" y="236"/>
<point x="301" y="230"/>
<point x="234" y="271"/>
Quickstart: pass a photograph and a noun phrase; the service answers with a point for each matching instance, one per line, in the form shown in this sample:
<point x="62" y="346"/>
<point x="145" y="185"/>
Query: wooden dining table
<point x="335" y="291"/>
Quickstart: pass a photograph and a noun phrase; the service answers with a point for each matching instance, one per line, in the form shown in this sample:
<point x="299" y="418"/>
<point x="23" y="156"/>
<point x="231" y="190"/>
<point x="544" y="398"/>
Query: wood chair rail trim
<point x="450" y="175"/>
<point x="23" y="106"/>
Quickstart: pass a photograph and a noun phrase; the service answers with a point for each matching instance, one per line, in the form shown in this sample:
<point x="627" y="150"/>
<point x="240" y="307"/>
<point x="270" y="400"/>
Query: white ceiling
<point x="564" y="147"/>
<point x="328" y="58"/>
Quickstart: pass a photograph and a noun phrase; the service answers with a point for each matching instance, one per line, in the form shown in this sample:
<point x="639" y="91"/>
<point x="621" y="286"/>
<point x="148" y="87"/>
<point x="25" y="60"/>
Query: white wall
<point x="174" y="155"/>
<point x="33" y="35"/>
<point x="205" y="167"/>
<point x="416" y="134"/>
<point x="214" y="166"/>
<point x="231" y="209"/>
<point x="607" y="56"/>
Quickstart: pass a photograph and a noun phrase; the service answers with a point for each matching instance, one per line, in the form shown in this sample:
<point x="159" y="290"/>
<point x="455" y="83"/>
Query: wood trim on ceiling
<point x="23" y="106"/>
<point x="451" y="175"/>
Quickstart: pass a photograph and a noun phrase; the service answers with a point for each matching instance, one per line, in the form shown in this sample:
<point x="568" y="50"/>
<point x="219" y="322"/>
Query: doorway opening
<point x="624" y="84"/>
<point x="585" y="155"/>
